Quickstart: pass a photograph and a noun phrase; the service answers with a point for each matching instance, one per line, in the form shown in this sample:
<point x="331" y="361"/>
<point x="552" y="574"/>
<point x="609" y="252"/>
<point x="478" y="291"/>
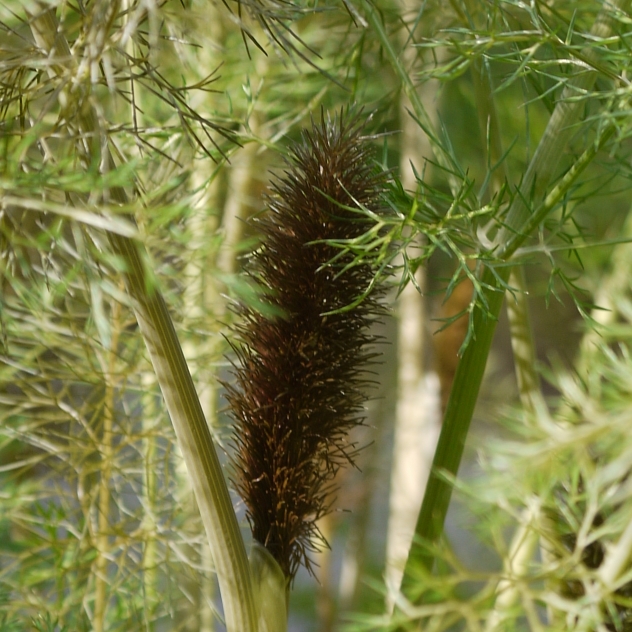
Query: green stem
<point x="458" y="416"/>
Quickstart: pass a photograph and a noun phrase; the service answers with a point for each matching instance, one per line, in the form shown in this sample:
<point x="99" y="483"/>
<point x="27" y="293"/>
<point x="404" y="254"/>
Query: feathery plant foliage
<point x="98" y="132"/>
<point x="91" y="479"/>
<point x="103" y="133"/>
<point x="521" y="51"/>
<point x="115" y="196"/>
<point x="507" y="220"/>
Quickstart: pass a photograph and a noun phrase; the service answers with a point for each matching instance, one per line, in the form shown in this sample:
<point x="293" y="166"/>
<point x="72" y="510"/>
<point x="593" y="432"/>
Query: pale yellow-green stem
<point x="417" y="413"/>
<point x="167" y="358"/>
<point x="107" y="437"/>
<point x="194" y="439"/>
<point x="150" y="560"/>
<point x="203" y="226"/>
<point x="150" y="416"/>
<point x="522" y="342"/>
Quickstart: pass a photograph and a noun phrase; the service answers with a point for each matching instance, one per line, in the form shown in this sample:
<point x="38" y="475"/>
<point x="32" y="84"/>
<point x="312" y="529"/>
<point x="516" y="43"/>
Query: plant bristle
<point x="300" y="378"/>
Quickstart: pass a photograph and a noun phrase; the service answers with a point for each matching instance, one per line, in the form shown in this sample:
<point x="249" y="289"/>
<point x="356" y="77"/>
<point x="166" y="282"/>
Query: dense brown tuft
<point x="300" y="377"/>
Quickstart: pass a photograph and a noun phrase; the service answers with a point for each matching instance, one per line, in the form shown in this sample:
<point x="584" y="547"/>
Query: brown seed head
<point x="300" y="378"/>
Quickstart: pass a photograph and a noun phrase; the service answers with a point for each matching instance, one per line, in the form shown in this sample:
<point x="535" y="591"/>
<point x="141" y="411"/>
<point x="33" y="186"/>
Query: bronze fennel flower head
<point x="301" y="376"/>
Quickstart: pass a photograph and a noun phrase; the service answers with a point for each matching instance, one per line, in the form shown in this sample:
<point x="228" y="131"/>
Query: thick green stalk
<point x="169" y="363"/>
<point x="456" y="424"/>
<point x="469" y="373"/>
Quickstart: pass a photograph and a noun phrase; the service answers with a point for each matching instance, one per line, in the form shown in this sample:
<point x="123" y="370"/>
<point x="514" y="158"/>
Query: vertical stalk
<point x="202" y="227"/>
<point x="417" y="415"/>
<point x="148" y="381"/>
<point x="456" y="423"/>
<point x="103" y="534"/>
<point x="148" y="421"/>
<point x="194" y="439"/>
